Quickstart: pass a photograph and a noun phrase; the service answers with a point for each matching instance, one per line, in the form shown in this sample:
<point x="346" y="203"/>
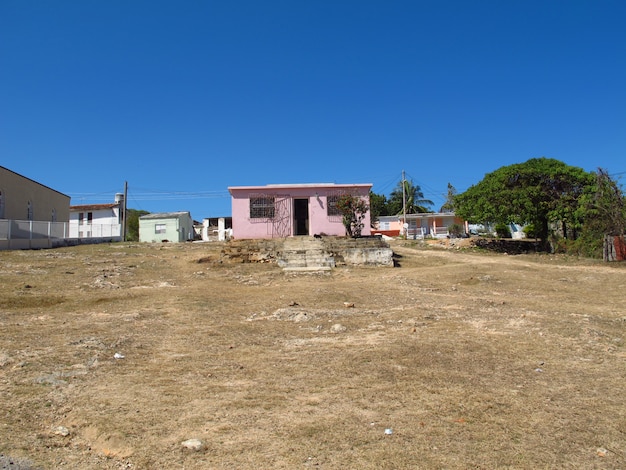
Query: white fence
<point x="94" y="230"/>
<point x="33" y="234"/>
<point x="418" y="233"/>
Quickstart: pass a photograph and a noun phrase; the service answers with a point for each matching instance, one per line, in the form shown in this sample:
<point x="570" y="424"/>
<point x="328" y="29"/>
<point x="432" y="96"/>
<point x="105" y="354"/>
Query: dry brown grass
<point x="473" y="360"/>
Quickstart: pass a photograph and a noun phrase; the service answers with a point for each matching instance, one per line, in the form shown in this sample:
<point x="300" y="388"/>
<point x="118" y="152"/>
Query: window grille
<point x="331" y="204"/>
<point x="262" y="207"/>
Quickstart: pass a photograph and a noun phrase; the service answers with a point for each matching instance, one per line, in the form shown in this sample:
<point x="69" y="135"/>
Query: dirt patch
<point x="126" y="355"/>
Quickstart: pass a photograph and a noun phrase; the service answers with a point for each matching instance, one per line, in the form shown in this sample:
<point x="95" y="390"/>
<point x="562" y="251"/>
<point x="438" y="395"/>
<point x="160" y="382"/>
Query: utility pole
<point x="124" y="209"/>
<point x="405" y="225"/>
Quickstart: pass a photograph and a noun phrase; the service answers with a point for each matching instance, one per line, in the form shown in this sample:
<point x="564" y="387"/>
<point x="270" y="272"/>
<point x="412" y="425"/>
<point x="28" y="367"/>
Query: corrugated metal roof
<point x="165" y="215"/>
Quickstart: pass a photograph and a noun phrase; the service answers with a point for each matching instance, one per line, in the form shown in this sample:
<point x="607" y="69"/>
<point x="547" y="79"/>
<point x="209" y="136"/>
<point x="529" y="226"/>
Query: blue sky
<point x="183" y="99"/>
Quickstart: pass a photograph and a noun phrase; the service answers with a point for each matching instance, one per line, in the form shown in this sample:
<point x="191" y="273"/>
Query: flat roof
<point x="302" y="185"/>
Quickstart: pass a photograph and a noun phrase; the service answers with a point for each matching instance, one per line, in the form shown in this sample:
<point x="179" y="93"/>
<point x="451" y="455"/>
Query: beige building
<point x="24" y="199"/>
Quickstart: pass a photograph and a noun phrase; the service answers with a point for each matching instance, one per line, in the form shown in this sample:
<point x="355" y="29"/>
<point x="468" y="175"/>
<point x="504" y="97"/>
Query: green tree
<point x="539" y="191"/>
<point x="378" y="206"/>
<point x="605" y="206"/>
<point x="415" y="201"/>
<point x="132" y="224"/>
<point x="603" y="212"/>
<point x="448" y="206"/>
<point x="353" y="210"/>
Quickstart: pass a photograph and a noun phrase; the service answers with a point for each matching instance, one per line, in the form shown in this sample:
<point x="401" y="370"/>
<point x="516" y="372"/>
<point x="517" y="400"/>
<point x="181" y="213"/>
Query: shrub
<point x="456" y="230"/>
<point x="530" y="231"/>
<point x="353" y="210"/>
<point x="503" y="231"/>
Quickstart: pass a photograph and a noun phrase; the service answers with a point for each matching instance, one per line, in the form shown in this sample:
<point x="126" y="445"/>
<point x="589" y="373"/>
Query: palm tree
<point x="415" y="201"/>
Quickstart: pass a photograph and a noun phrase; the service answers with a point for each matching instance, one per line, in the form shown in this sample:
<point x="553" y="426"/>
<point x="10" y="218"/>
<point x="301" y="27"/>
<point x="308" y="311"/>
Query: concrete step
<point x="306" y="269"/>
<point x="304" y="253"/>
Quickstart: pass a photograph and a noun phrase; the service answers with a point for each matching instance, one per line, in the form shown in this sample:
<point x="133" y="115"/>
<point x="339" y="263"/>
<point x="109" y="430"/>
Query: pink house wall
<point x="394" y="226"/>
<point x="283" y="224"/>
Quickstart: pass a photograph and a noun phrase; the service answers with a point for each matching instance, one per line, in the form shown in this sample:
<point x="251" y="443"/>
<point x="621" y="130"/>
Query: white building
<point x="98" y="220"/>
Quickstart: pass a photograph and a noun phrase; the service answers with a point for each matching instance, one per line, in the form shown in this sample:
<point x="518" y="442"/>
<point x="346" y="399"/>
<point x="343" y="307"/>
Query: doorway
<point x="300" y="216"/>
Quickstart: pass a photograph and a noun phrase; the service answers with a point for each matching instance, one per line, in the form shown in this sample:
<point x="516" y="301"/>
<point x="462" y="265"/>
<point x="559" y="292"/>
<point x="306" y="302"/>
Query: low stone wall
<point x="367" y="251"/>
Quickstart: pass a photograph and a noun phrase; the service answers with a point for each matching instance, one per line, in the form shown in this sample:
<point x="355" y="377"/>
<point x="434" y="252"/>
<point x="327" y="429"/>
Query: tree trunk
<point x="544" y="231"/>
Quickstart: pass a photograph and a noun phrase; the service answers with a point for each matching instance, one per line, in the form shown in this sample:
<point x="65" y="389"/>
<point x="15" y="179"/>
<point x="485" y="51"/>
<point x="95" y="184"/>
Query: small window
<point x="80" y="218"/>
<point x="262" y="207"/>
<point x="89" y="217"/>
<point x="29" y="215"/>
<point x="159" y="228"/>
<point x="54" y="215"/>
<point x="384" y="225"/>
<point x="331" y="204"/>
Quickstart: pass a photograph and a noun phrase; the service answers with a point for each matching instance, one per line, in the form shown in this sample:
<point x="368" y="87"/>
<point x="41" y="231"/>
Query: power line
<point x="155" y="195"/>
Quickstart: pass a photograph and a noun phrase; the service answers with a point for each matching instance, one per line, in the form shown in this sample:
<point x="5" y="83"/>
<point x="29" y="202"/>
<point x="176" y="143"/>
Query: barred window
<point x="262" y="207"/>
<point x="331" y="204"/>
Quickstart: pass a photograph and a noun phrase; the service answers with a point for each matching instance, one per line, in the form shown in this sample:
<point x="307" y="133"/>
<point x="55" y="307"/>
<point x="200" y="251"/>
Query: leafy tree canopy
<point x="378" y="206"/>
<point x="132" y="223"/>
<point x="603" y="206"/>
<point x="539" y="191"/>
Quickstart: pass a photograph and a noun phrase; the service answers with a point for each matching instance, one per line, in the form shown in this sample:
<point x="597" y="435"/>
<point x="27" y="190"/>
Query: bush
<point x="503" y="231"/>
<point x="529" y="231"/>
<point x="456" y="230"/>
<point x="584" y="246"/>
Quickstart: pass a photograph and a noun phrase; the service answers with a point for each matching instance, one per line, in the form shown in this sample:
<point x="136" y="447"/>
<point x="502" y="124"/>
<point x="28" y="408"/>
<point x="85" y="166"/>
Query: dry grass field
<point x="453" y="359"/>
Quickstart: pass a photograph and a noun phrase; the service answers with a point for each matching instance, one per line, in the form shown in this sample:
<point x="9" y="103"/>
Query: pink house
<point x="285" y="210"/>
<point x="433" y="224"/>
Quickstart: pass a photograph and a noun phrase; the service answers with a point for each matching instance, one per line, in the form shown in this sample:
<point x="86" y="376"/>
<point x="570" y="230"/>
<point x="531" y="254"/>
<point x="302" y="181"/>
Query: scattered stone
<point x="293" y="304"/>
<point x="62" y="431"/>
<point x="193" y="445"/>
<point x="337" y="328"/>
<point x="51" y="379"/>
<point x="10" y="463"/>
<point x="348" y="304"/>
<point x="118" y="356"/>
<point x="293" y="314"/>
<point x="5" y="359"/>
<point x="601" y="451"/>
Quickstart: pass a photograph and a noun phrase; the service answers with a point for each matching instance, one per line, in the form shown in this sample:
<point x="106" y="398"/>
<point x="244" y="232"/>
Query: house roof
<point x="164" y="215"/>
<point x="37" y="182"/>
<point x="428" y="215"/>
<point x="298" y="186"/>
<point x="93" y="207"/>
